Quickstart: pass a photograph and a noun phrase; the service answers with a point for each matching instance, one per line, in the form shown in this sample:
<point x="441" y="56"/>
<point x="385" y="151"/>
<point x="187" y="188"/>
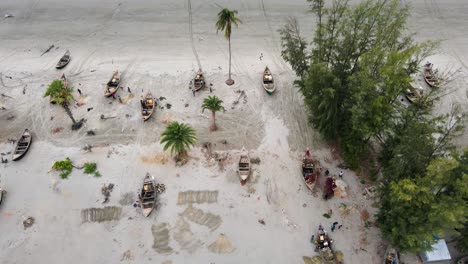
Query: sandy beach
<point x="159" y="46"/>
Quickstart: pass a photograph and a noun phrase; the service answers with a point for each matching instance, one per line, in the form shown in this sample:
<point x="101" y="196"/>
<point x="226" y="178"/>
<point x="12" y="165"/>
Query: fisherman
<point x="340" y="174"/>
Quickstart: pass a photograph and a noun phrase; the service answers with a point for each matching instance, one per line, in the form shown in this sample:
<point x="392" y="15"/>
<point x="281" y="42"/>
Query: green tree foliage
<point x="62" y="96"/>
<point x="64" y="166"/>
<point x="359" y="62"/>
<point x="227" y="18"/>
<point x="214" y="104"/>
<point x="436" y="200"/>
<point x="91" y="168"/>
<point x="178" y="137"/>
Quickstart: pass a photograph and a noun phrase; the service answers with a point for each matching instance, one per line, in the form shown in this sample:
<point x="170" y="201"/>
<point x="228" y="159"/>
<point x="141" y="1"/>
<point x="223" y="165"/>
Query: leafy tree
<point x="226" y="18"/>
<point x="214" y="104"/>
<point x="436" y="200"/>
<point x="62" y="96"/>
<point x="178" y="137"/>
<point x="360" y="61"/>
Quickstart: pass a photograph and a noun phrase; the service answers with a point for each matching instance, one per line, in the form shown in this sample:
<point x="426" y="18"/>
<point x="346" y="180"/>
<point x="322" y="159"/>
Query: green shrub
<point x="64" y="166"/>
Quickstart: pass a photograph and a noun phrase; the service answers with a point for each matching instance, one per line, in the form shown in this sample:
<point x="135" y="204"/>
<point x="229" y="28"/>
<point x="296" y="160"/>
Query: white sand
<point x="150" y="43"/>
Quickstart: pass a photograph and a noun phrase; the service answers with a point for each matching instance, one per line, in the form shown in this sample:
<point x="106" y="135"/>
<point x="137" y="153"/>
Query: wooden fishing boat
<point x="147" y="195"/>
<point x="64" y="60"/>
<point x="113" y="84"/>
<point x="268" y="82"/>
<point x="309" y="170"/>
<point x="22" y="146"/>
<point x="244" y="166"/>
<point x="2" y="194"/>
<point x="199" y="81"/>
<point x="430" y="75"/>
<point x="413" y="94"/>
<point x="148" y="104"/>
<point x="64" y="81"/>
<point x="391" y="256"/>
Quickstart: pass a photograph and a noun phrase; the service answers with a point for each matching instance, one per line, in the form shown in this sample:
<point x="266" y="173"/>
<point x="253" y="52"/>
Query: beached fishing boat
<point x="113" y="84"/>
<point x="22" y="146"/>
<point x="268" y="82"/>
<point x="244" y="166"/>
<point x="148" y="104"/>
<point x="430" y="75"/>
<point x="64" y="60"/>
<point x="391" y="256"/>
<point x="199" y="81"/>
<point x="413" y="94"/>
<point x="2" y="194"/>
<point x="147" y="195"/>
<point x="309" y="171"/>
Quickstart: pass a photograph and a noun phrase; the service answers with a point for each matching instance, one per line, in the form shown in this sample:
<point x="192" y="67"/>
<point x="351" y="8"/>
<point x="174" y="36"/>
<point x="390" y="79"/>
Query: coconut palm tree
<point x="179" y="137"/>
<point x="226" y="18"/>
<point x="64" y="97"/>
<point x="214" y="104"/>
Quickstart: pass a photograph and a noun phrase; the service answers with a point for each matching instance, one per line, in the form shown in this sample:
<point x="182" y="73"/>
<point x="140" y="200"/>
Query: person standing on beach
<point x="340" y="174"/>
<point x="193" y="91"/>
<point x="79" y="91"/>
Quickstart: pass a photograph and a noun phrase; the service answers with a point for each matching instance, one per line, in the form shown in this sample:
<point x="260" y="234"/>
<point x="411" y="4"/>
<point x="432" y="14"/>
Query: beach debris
<point x="127" y="255"/>
<point x="57" y="130"/>
<point x="92" y="70"/>
<point x="370" y="192"/>
<point x="186" y="105"/>
<point x="261" y="221"/>
<point x="224" y="142"/>
<point x="184" y="236"/>
<point x="88" y="148"/>
<point x="200" y="217"/>
<point x="168" y="105"/>
<point x="197" y="197"/>
<point x="50" y="48"/>
<point x="161" y="98"/>
<point x="7" y="15"/>
<point x="160" y="188"/>
<point x="106" y="191"/>
<point x="108" y="213"/>
<point x="4" y="160"/>
<point x="10" y="117"/>
<point x="5" y="95"/>
<point x="11" y="140"/>
<point x="222" y="245"/>
<point x="161" y="238"/>
<point x="9" y="77"/>
<point x="109" y="117"/>
<point x="90" y="133"/>
<point x="28" y="222"/>
<point x="255" y="160"/>
<point x="24" y="89"/>
<point x="90" y="108"/>
<point x="3" y="108"/>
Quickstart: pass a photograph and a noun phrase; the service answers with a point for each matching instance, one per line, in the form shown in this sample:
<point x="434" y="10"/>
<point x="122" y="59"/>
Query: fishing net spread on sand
<point x="341" y="189"/>
<point x="221" y="246"/>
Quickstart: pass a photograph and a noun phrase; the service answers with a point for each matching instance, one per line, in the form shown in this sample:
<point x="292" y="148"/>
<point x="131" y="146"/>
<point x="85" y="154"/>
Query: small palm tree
<point x="64" y="97"/>
<point x="179" y="137"/>
<point x="226" y="18"/>
<point x="214" y="104"/>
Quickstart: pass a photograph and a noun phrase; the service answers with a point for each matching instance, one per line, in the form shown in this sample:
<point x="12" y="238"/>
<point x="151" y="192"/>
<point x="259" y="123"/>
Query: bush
<point x="90" y="168"/>
<point x="64" y="166"/>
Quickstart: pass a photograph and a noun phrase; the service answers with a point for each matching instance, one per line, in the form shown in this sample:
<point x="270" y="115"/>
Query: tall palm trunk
<point x="69" y="113"/>
<point x="229" y="57"/>
<point x="213" y="126"/>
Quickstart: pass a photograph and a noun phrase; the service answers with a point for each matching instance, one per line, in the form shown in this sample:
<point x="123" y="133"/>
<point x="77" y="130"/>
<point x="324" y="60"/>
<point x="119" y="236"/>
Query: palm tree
<point x="179" y="137"/>
<point x="226" y="18"/>
<point x="64" y="97"/>
<point x="212" y="103"/>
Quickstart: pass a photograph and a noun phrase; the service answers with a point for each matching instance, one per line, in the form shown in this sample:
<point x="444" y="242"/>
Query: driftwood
<point x="51" y="47"/>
